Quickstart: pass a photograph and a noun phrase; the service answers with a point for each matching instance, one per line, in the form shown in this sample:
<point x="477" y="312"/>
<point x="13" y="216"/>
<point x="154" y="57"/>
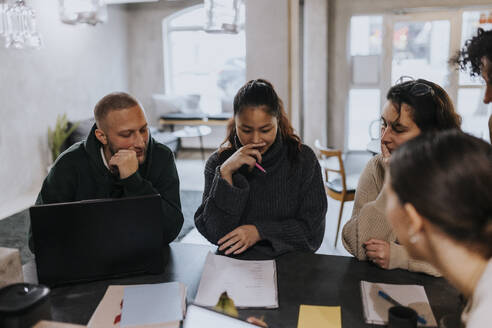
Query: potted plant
<point x="57" y="136"/>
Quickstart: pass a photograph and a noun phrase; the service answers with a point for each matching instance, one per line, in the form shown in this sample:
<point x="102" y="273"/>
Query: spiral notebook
<point x="376" y="308"/>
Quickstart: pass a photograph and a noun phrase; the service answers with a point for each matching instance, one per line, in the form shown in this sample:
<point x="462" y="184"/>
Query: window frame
<point x="167" y="52"/>
<point x="455" y="16"/>
<point x="363" y="86"/>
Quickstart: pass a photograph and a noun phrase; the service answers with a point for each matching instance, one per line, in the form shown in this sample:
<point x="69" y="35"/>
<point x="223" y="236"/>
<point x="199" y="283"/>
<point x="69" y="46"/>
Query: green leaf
<point x="58" y="135"/>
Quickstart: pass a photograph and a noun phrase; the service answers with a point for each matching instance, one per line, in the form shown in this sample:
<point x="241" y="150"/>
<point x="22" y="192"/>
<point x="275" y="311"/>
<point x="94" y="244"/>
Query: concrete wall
<point x="339" y="69"/>
<point x="267" y="44"/>
<point x="76" y="66"/>
<point x="315" y="77"/>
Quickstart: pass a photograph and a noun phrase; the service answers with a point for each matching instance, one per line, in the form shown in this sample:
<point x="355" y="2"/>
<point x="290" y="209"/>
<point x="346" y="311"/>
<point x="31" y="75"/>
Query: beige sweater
<point x="368" y="221"/>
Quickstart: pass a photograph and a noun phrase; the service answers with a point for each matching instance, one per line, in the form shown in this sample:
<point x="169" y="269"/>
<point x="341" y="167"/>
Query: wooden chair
<point x="335" y="188"/>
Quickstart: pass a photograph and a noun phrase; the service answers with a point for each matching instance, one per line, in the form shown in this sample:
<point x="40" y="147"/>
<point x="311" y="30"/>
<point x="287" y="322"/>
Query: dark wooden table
<point x="302" y="279"/>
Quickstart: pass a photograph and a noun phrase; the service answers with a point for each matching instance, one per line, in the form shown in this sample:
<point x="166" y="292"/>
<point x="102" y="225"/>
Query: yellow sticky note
<point x="311" y="316"/>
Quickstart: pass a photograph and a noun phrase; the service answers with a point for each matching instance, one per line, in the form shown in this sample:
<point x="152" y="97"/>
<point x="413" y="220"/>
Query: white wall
<point x="76" y="66"/>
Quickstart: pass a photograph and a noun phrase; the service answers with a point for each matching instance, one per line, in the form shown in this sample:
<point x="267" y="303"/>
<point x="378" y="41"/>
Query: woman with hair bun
<point x="263" y="187"/>
<point x="440" y="206"/>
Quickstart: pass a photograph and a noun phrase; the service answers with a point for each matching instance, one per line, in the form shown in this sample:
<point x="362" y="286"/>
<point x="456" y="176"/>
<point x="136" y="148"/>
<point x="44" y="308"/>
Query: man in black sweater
<point x="118" y="159"/>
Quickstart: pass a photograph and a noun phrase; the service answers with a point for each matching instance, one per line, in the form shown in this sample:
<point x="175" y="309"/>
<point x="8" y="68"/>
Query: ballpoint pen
<point x="394" y="302"/>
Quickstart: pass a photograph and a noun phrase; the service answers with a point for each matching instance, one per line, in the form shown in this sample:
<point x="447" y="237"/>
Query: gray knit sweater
<point x="287" y="204"/>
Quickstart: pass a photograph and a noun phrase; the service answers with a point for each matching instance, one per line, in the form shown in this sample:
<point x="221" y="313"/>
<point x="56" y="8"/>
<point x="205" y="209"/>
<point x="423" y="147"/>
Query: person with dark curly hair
<point x="476" y="57"/>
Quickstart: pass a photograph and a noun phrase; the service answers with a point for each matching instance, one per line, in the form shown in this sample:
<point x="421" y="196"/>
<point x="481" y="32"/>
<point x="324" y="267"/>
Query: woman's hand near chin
<point x="246" y="155"/>
<point x="386" y="155"/>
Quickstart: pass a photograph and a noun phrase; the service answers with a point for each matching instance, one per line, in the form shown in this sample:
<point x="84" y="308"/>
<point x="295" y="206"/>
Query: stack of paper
<point x="376" y="308"/>
<point x="154" y="305"/>
<point x="250" y="284"/>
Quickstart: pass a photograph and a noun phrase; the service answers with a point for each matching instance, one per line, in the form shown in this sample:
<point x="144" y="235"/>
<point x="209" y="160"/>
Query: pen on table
<point x="394" y="302"/>
<point x="260" y="168"/>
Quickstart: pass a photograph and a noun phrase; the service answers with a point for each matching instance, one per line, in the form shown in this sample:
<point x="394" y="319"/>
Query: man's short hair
<point x="113" y="101"/>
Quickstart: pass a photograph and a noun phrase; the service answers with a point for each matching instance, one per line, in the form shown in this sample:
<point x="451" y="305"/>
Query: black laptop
<point x="96" y="239"/>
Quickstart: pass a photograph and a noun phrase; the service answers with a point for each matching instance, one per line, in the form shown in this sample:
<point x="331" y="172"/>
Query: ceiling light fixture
<point x="222" y="16"/>
<point x="18" y="26"/>
<point x="89" y="12"/>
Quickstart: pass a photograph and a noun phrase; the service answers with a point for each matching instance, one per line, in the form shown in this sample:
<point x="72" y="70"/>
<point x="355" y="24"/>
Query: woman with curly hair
<point x="413" y="107"/>
<point x="476" y="57"/>
<point x="263" y="187"/>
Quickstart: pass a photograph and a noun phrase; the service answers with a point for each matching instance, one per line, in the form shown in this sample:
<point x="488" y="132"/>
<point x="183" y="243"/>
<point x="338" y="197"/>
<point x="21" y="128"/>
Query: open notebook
<point x="376" y="308"/>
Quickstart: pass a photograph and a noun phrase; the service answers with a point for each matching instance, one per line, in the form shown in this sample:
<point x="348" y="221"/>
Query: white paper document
<point x="376" y="308"/>
<point x="152" y="304"/>
<point x="250" y="284"/>
<point x="198" y="317"/>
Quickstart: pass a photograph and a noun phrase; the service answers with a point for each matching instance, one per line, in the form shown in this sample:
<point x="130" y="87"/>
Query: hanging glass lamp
<point x="222" y="16"/>
<point x="19" y="26"/>
<point x="89" y="12"/>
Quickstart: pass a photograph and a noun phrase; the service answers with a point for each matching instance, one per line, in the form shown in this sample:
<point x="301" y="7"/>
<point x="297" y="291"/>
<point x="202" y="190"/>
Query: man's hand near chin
<point x="126" y="161"/>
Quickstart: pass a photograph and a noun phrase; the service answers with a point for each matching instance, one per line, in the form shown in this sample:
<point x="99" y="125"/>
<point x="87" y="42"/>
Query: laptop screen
<point x="95" y="239"/>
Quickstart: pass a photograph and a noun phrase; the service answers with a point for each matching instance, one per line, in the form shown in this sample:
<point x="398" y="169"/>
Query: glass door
<point x="420" y="47"/>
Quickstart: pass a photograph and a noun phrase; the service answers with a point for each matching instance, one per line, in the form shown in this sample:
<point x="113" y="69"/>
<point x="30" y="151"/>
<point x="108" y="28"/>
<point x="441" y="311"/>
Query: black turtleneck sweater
<point x="79" y="173"/>
<point x="287" y="204"/>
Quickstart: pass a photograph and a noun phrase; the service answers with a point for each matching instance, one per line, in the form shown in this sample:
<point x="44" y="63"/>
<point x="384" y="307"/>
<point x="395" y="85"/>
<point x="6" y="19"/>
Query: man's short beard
<point x="113" y="150"/>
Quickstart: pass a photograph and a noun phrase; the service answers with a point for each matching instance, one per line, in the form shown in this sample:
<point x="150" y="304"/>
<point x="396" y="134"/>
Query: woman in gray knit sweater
<point x="263" y="187"/>
<point x="413" y="107"/>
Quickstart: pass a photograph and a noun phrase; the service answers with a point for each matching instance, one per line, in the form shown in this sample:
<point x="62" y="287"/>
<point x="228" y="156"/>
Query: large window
<point x="384" y="48"/>
<point x="421" y="49"/>
<point x="211" y="66"/>
<point x="364" y="94"/>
